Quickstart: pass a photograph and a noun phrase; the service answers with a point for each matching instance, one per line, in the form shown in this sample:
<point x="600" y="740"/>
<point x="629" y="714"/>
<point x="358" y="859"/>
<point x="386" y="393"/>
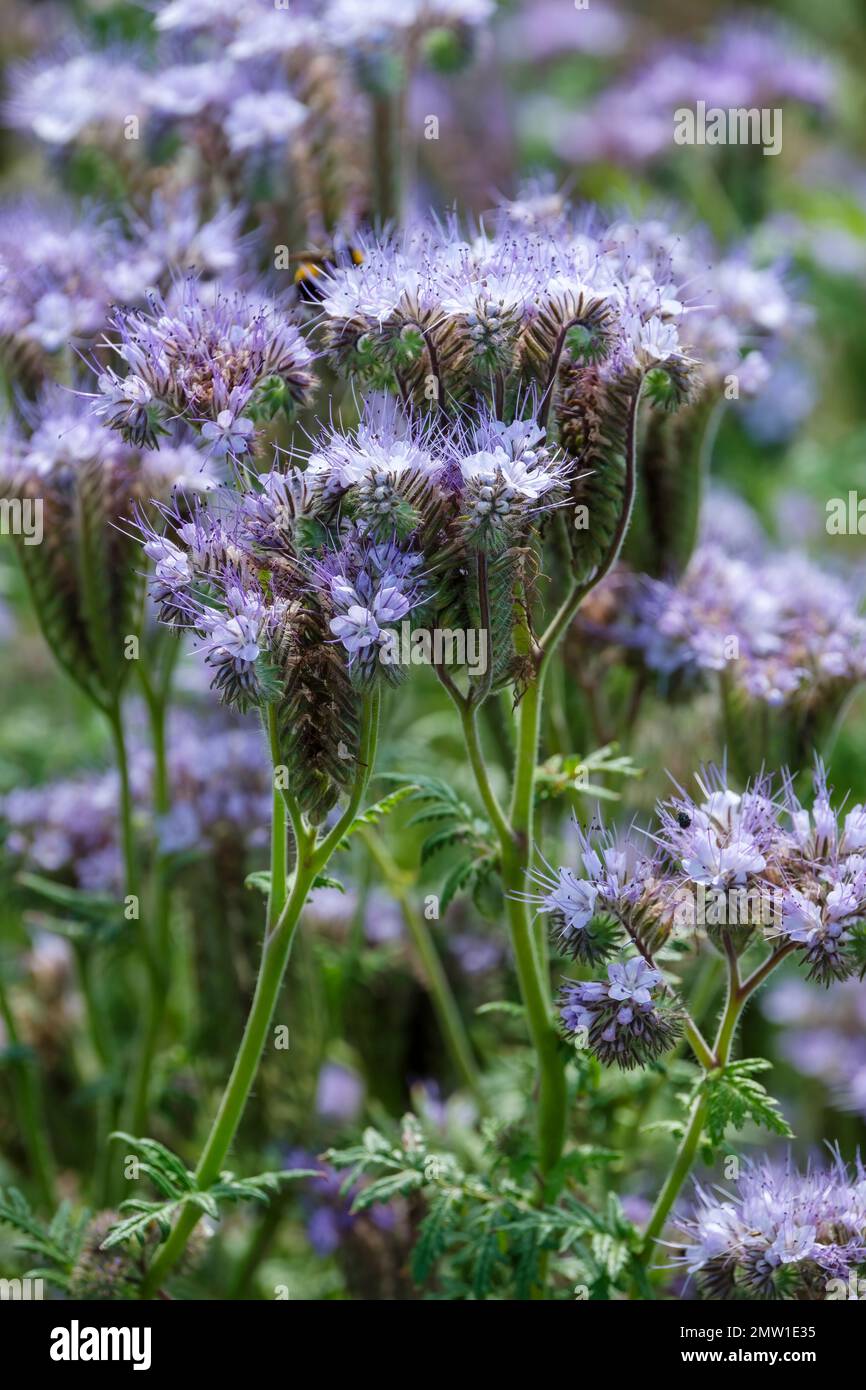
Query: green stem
<point x="385" y="156"/>
<point x="310" y="861"/>
<point x="366" y="756"/>
<point x="468" y="720"/>
<point x="275" y="957"/>
<point x="447" y="1012"/>
<point x="279" y="864"/>
<point x="31" y="1108"/>
<point x="156" y="932"/>
<point x="130" y="860"/>
<point x="98" y="1033"/>
<point x="515" y="839"/>
<point x="737" y="995"/>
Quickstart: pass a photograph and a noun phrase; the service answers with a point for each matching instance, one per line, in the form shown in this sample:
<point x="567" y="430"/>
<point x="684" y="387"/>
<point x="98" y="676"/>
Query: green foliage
<point x="571" y="775"/>
<point x="733" y="1097"/>
<point x="484" y="1233"/>
<point x="456" y="826"/>
<point x="178" y="1188"/>
<point x="57" y="1242"/>
<point x="376" y="813"/>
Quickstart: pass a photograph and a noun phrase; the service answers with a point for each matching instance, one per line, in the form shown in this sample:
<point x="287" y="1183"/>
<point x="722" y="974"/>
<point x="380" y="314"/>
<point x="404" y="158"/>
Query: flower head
<point x="782" y="1234"/>
<point x="625" y="1019"/>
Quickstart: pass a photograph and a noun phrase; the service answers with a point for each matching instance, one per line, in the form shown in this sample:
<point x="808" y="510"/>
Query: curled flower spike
<point x="782" y="1234"/>
<point x="623" y="1020"/>
<point x="586" y="908"/>
<point x="213" y="360"/>
<point x="732" y="863"/>
<point x="79" y="484"/>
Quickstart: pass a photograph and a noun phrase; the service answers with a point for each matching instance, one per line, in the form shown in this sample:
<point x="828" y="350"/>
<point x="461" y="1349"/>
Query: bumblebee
<point x="313" y="265"/>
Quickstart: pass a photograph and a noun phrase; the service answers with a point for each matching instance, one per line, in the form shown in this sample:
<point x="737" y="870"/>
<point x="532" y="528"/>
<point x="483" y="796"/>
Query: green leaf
<point x="380" y="809"/>
<point x="158" y="1157"/>
<point x="734" y="1097"/>
<point x="393" y="1185"/>
<point x="458" y="878"/>
<point x="83" y="906"/>
<point x="433" y="1235"/>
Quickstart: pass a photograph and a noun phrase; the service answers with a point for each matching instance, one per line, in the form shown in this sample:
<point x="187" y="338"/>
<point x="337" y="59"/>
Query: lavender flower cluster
<point x="202" y="357"/>
<point x="220" y="785"/>
<point x="823" y="1035"/>
<point x="787" y="632"/>
<point x="783" y="1234"/>
<point x="798" y="872"/>
<point x="757" y="63"/>
<point x="64" y="267"/>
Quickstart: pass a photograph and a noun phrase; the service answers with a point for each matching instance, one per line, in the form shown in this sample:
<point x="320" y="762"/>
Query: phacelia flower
<point x="203" y="356"/>
<point x="626" y="1020"/>
<point x="781" y="1234"/>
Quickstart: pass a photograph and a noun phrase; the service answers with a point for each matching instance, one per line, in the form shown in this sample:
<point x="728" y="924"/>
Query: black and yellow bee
<point x="316" y="263"/>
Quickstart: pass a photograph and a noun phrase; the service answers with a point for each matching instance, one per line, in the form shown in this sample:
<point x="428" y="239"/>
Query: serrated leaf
<point x="380" y="809"/>
<point x="458" y="878"/>
<point x="734" y="1097"/>
<point x="384" y="1189"/>
<point x="433" y="1235"/>
<point x="82" y="905"/>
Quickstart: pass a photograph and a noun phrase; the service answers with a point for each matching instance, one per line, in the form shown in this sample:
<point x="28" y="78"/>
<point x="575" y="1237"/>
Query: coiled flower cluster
<point x="733" y="863"/>
<point x="782" y="1234"/>
<point x="214" y="360"/>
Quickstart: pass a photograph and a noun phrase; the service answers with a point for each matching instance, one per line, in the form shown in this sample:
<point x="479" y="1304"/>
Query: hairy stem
<point x="310" y="860"/>
<point x="737" y="994"/>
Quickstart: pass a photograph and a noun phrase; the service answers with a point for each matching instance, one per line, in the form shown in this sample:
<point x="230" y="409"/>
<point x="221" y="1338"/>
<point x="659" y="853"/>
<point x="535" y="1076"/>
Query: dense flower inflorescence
<point x="211" y="359"/>
<point x="625" y="1020"/>
<point x="64" y="268"/>
<point x="823" y="1035"/>
<point x="759" y="63"/>
<point x="786" y="632"/>
<point x="733" y="863"/>
<point x="783" y="1234"/>
<point x="220" y="784"/>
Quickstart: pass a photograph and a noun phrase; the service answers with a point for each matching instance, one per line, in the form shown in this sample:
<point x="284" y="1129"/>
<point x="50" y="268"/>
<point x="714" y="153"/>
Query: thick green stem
<point x="275" y="956"/>
<point x="279" y="863"/>
<point x="447" y="1012"/>
<point x="366" y="756"/>
<point x="310" y="860"/>
<point x="515" y="837"/>
<point x="482" y="779"/>
<point x="127" y="832"/>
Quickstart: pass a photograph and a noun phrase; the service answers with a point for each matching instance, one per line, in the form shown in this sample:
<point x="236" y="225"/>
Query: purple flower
<point x="339" y="1094"/>
<point x="227" y="434"/>
<point x="782" y="1234"/>
<point x="622" y="1021"/>
<point x="204" y="355"/>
